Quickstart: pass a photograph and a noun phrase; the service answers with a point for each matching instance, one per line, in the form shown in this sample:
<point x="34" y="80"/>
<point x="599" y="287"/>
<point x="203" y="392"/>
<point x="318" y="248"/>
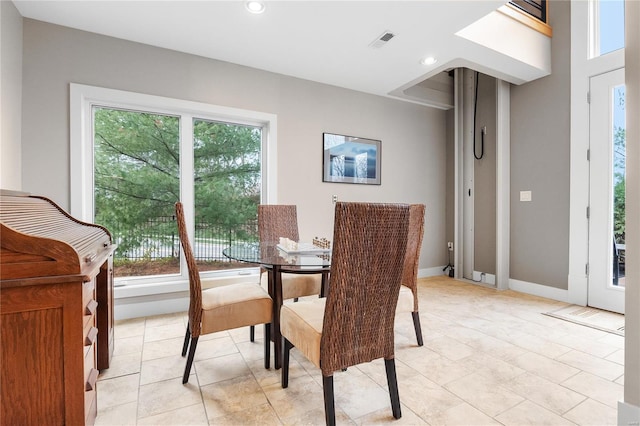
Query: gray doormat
<point x="610" y="322"/>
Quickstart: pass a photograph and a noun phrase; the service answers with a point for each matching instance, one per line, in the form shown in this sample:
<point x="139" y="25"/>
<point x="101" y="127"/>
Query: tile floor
<point x="489" y="357"/>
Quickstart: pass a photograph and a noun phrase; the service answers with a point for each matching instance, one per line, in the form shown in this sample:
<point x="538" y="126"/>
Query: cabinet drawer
<point x="91" y="335"/>
<point x="89" y="364"/>
<point x="89" y="323"/>
<point x="90" y="407"/>
<point x="90" y="384"/>
<point x="89" y="316"/>
<point x="88" y="291"/>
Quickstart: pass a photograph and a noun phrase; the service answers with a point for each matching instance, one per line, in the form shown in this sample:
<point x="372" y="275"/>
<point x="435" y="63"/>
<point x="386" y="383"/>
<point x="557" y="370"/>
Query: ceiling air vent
<point x="382" y="39"/>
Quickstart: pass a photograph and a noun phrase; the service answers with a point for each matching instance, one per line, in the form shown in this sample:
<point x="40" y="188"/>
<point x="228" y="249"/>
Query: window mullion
<point x="186" y="180"/>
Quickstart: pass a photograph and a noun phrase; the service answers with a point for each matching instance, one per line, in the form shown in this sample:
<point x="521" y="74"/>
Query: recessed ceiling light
<point x="255" y="6"/>
<point x="429" y="60"/>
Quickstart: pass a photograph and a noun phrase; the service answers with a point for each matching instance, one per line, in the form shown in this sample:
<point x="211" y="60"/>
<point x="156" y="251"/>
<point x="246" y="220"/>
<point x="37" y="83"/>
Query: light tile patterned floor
<point x="489" y="357"/>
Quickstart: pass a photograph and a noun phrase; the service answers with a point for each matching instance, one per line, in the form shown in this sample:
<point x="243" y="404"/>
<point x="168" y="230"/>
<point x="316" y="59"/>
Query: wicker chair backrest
<point x="369" y="244"/>
<point x="412" y="257"/>
<point x="277" y="220"/>
<point x="195" y="286"/>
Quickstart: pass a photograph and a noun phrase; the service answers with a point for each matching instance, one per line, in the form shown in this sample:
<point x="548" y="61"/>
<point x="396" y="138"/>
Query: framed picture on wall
<point x="349" y="159"/>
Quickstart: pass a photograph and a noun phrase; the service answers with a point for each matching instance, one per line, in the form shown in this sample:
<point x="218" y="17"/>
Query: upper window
<point x="141" y="154"/>
<point x="607" y="26"/>
<point x="535" y="8"/>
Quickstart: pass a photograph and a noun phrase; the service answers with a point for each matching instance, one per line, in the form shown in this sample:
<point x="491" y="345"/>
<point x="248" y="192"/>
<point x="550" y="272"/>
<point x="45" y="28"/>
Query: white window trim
<point x="82" y="100"/>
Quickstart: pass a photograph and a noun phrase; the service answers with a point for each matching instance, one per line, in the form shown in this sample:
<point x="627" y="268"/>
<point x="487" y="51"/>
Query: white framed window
<point x="606" y="27"/>
<point x="133" y="155"/>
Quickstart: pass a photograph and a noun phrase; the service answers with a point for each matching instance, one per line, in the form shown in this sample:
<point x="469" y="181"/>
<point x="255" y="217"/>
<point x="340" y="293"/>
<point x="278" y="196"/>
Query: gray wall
<point x="10" y="95"/>
<point x="540" y="113"/>
<point x="484" y="178"/>
<point x="413" y="136"/>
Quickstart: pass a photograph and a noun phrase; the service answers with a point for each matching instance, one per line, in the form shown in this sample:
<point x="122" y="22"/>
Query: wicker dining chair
<point x="408" y="297"/>
<point x="354" y="323"/>
<point x="280" y="220"/>
<point x="220" y="308"/>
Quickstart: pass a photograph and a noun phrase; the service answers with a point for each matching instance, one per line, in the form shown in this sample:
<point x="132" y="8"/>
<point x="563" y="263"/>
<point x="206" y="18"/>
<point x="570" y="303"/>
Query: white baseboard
<point x="431" y="272"/>
<point x="486" y="278"/>
<point x="539" y="290"/>
<point x="145" y="306"/>
<point x="578" y="289"/>
<point x="628" y="414"/>
<point x="135" y="301"/>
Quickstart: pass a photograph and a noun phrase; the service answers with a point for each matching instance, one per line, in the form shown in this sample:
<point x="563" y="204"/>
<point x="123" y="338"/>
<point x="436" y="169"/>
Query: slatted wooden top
<point x="38" y="238"/>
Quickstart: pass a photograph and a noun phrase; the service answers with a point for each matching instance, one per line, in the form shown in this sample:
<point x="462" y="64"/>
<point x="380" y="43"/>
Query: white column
<point x="629" y="410"/>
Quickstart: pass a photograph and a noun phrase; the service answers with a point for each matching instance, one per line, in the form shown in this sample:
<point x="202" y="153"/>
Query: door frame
<point x="600" y="291"/>
<point x="503" y="185"/>
<point x="582" y="69"/>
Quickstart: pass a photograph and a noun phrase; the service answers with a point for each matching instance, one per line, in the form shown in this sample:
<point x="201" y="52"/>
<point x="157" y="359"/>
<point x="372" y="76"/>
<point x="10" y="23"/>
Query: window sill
<point x="178" y="285"/>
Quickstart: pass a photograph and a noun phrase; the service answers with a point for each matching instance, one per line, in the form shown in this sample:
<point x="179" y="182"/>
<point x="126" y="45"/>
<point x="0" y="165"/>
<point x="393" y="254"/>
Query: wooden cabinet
<point x="56" y="313"/>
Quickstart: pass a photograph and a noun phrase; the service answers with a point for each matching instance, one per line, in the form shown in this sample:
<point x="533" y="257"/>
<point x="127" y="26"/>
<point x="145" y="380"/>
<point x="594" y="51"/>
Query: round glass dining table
<point x="276" y="261"/>
<point x="269" y="255"/>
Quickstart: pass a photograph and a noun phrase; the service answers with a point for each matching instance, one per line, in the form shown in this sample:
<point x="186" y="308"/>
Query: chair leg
<point x="329" y="405"/>
<point x="392" y="381"/>
<point x="324" y="284"/>
<point x="286" y="348"/>
<point x="185" y="345"/>
<point x="416" y="325"/>
<point x="267" y="345"/>
<point x="252" y="333"/>
<point x="192" y="352"/>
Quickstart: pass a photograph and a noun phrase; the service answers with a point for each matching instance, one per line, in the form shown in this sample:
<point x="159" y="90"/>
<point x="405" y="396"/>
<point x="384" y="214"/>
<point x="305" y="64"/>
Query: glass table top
<point x="268" y="254"/>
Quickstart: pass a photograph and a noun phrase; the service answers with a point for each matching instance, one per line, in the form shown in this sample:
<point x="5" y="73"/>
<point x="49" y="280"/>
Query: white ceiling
<point x="323" y="41"/>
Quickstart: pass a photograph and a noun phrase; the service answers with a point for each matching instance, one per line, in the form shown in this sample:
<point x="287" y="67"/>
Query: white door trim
<point x="503" y="183"/>
<point x="458" y="172"/>
<point x="468" y="164"/>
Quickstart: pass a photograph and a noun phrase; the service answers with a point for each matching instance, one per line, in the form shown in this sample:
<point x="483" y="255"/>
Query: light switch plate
<point x="525" y="195"/>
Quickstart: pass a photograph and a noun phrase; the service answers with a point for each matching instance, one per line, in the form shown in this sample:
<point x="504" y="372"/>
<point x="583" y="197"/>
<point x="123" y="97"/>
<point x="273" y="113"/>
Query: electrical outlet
<point x="334" y="199"/>
<point x="450" y="245"/>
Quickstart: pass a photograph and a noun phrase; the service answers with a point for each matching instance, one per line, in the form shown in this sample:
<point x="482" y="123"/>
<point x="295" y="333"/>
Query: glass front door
<point x="607" y="260"/>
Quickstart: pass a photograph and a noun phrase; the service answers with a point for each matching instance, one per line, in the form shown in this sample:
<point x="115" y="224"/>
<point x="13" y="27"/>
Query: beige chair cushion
<point x="405" y="300"/>
<point x="231" y="306"/>
<point x="301" y="323"/>
<point x="296" y="285"/>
